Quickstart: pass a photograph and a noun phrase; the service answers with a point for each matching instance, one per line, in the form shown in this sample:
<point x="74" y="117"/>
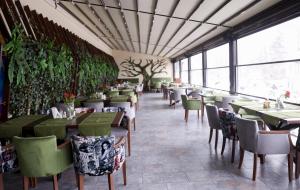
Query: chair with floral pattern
<point x="227" y="124"/>
<point x="97" y="156"/>
<point x="8" y="161"/>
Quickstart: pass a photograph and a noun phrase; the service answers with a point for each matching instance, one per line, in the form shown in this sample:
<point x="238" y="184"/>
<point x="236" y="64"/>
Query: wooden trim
<point x="273" y="132"/>
<point x="117" y="120"/>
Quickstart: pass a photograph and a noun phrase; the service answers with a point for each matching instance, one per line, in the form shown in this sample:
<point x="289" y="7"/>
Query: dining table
<point x="44" y="125"/>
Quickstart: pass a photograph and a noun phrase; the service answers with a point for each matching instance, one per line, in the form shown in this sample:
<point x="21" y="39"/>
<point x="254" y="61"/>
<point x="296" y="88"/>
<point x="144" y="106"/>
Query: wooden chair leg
<point x="129" y="142"/>
<point x="198" y="112"/>
<point x="25" y="183"/>
<point x="1" y="181"/>
<point x="290" y="166"/>
<point x="80" y="181"/>
<point x="297" y="165"/>
<point x="134" y="124"/>
<point x="110" y="182"/>
<point x="223" y="145"/>
<point x="55" y="182"/>
<point x="187" y="115"/>
<point x="32" y="182"/>
<point x="216" y="140"/>
<point x="124" y="173"/>
<point x="210" y="135"/>
<point x="241" y="157"/>
<point x="233" y="151"/>
<point x="254" y="167"/>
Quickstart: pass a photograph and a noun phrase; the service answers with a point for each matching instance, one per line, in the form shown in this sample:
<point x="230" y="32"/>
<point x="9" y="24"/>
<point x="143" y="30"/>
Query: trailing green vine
<point x="38" y="72"/>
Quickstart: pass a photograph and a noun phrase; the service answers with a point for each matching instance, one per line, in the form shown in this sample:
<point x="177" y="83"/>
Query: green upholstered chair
<point x="127" y="92"/>
<point x="41" y="157"/>
<point x="113" y="93"/>
<point x="190" y="104"/>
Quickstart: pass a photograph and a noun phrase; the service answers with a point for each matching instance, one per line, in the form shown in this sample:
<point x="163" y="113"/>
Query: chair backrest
<point x="227" y="123"/>
<point x="177" y="94"/>
<point x="225" y="102"/>
<point x="213" y="116"/>
<point x="195" y="93"/>
<point x="97" y="106"/>
<point x="8" y="159"/>
<point x="113" y="93"/>
<point x="184" y="101"/>
<point x="96" y="156"/>
<point x="129" y="110"/>
<point x="39" y="156"/>
<point x="247" y="131"/>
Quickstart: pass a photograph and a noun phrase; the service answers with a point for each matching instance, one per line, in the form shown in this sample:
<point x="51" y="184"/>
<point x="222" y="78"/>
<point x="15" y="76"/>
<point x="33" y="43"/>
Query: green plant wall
<point x="38" y="72"/>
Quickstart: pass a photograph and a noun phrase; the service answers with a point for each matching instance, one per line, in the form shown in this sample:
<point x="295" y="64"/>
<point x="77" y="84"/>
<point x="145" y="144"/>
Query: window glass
<point x="196" y="77"/>
<point x="184" y="65"/>
<point x="281" y="42"/>
<point x="218" y="57"/>
<point x="218" y="78"/>
<point x="177" y="69"/>
<point x="270" y="80"/>
<point x="196" y="61"/>
<point x="184" y="77"/>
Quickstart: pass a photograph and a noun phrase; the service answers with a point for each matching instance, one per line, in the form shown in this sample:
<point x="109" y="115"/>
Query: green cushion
<point x="112" y="93"/>
<point x="39" y="156"/>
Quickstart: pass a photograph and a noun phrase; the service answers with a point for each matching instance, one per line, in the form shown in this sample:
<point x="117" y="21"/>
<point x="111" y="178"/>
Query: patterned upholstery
<point x="8" y="159"/>
<point x="96" y="156"/>
<point x="227" y="123"/>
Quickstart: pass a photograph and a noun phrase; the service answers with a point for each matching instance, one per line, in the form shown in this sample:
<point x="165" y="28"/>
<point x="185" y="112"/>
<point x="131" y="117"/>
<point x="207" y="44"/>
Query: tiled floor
<point x="168" y="154"/>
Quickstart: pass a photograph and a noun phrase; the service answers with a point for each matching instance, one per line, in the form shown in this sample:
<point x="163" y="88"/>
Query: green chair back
<point x="40" y="157"/>
<point x="184" y="101"/>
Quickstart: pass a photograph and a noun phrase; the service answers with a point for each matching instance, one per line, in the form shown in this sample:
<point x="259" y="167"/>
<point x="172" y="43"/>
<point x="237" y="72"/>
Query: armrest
<point x="120" y="143"/>
<point x="274" y="132"/>
<point x="63" y="145"/>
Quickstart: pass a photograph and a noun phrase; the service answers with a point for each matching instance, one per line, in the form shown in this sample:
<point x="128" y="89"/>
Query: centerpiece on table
<point x="69" y="99"/>
<point x="280" y="99"/>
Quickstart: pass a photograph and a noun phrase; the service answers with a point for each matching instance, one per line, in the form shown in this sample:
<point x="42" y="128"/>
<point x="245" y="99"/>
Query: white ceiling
<point x="161" y="27"/>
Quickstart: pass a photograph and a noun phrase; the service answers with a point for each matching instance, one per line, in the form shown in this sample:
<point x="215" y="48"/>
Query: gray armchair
<point x="175" y="96"/>
<point x="97" y="105"/>
<point x="225" y="102"/>
<point x="213" y="121"/>
<point x="262" y="142"/>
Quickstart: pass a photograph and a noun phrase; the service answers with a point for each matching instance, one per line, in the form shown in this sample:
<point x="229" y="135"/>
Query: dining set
<point x="93" y="142"/>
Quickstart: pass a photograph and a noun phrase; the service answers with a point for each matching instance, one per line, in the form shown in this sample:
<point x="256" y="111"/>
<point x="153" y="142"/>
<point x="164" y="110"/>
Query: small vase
<point x="279" y="103"/>
<point x="70" y="110"/>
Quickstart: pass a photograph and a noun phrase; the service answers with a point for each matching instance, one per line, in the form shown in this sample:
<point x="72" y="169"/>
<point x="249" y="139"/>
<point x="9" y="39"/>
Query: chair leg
<point x="216" y="140"/>
<point x="241" y="157"/>
<point x="297" y="166"/>
<point x="110" y="182"/>
<point x="80" y="181"/>
<point x="129" y="142"/>
<point x="254" y="167"/>
<point x="134" y="124"/>
<point x="187" y="115"/>
<point x="198" y="114"/>
<point x="290" y="166"/>
<point x="1" y="181"/>
<point x="223" y="145"/>
<point x="124" y="173"/>
<point x="210" y="134"/>
<point x="233" y="150"/>
<point x="32" y="182"/>
<point x="25" y="183"/>
<point x="55" y="182"/>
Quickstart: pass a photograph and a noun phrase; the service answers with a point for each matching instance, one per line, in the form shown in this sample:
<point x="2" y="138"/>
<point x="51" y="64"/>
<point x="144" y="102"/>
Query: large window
<point x="184" y="71"/>
<point x="176" y="70"/>
<point x="268" y="61"/>
<point x="218" y="67"/>
<point x="196" y="69"/>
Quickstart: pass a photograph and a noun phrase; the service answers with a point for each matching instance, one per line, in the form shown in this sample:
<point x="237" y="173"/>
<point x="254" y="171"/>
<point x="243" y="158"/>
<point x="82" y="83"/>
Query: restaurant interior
<point x="149" y="94"/>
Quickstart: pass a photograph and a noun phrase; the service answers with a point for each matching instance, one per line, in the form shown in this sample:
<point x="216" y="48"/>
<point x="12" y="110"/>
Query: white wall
<point x="64" y="19"/>
<point x="120" y="56"/>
